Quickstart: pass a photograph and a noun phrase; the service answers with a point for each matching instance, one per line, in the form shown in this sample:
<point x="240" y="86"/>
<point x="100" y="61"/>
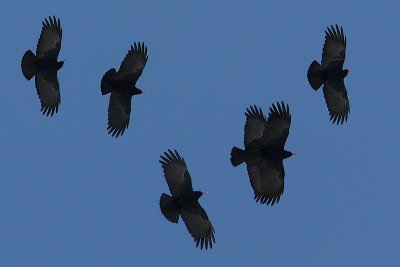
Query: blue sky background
<point x="70" y="195"/>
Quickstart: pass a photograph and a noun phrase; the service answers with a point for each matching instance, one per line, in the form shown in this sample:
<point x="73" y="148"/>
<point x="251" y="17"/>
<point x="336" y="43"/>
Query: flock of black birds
<point x="264" y="138"/>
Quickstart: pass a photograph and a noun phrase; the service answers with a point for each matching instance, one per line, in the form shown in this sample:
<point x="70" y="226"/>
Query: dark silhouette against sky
<point x="122" y="86"/>
<point x="331" y="73"/>
<point x="264" y="141"/>
<point x="44" y="66"/>
<point x="184" y="201"/>
<point x="71" y="195"/>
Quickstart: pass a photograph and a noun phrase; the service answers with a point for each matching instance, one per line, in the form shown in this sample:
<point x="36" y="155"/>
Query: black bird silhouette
<point x="331" y="74"/>
<point x="264" y="142"/>
<point x="184" y="200"/>
<point x="122" y="86"/>
<point x="44" y="65"/>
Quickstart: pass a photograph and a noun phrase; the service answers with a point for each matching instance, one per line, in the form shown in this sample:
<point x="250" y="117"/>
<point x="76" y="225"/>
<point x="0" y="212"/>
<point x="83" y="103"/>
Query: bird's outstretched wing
<point x="49" y="43"/>
<point x="133" y="64"/>
<point x="198" y="225"/>
<point x="334" y="51"/>
<point x="266" y="178"/>
<point x="277" y="127"/>
<point x="48" y="90"/>
<point x="176" y="173"/>
<point x="336" y="98"/>
<point x="119" y="112"/>
<point x="255" y="125"/>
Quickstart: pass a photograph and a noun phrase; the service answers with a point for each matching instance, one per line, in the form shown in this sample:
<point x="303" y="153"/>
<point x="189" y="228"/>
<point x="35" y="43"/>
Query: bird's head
<point x="198" y="194"/>
<point x="137" y="91"/>
<point x="61" y="63"/>
<point x="288" y="154"/>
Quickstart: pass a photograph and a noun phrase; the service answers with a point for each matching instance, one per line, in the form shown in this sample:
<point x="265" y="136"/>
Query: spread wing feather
<point x="49" y="43"/>
<point x="133" y="64"/>
<point x="198" y="225"/>
<point x="266" y="179"/>
<point x="336" y="98"/>
<point x="277" y="127"/>
<point x="48" y="90"/>
<point x="255" y="125"/>
<point x="334" y="51"/>
<point x="119" y="112"/>
<point x="176" y="173"/>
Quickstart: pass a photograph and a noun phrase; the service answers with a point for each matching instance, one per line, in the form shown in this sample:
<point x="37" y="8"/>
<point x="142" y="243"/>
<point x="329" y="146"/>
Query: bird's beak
<point x="205" y="193"/>
<point x="294" y="154"/>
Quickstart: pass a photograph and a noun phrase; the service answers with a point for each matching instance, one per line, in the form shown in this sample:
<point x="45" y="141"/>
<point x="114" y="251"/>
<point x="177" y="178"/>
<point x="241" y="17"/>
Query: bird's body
<point x="264" y="151"/>
<point x="48" y="65"/>
<point x="331" y="74"/>
<point x="184" y="201"/>
<point x="125" y="88"/>
<point x="44" y="66"/>
<point x="334" y="74"/>
<point x="267" y="153"/>
<point x="122" y="86"/>
<point x="274" y="154"/>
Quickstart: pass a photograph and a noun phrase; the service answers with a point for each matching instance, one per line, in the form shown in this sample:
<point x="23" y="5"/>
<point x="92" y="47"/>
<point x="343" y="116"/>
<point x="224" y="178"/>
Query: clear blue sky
<point x="70" y="195"/>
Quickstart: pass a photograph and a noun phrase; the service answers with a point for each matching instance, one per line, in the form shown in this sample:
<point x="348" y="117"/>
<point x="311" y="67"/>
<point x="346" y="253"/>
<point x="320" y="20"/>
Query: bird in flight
<point x="122" y="86"/>
<point x="44" y="65"/>
<point x="264" y="142"/>
<point x="184" y="201"/>
<point x="331" y="74"/>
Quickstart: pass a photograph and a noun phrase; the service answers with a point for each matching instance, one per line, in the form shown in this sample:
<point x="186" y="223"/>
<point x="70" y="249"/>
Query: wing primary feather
<point x="260" y="113"/>
<point x="280" y="109"/>
<point x="328" y="32"/>
<point x="332" y="30"/>
<point x="178" y="157"/>
<point x="52" y="22"/>
<point x="165" y="160"/>
<point x="338" y="30"/>
<point x="276" y="109"/>
<point x="173" y="155"/>
<point x="252" y="109"/>
<point x="168" y="156"/>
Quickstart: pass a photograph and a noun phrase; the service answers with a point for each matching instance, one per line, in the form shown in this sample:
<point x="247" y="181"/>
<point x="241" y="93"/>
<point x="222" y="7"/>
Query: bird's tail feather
<point x="238" y="156"/>
<point x="28" y="65"/>
<point x="315" y="75"/>
<point x="107" y="81"/>
<point x="169" y="208"/>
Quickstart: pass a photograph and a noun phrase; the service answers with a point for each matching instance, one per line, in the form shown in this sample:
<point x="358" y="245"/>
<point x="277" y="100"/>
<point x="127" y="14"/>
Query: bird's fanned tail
<point x="237" y="156"/>
<point x="315" y="75"/>
<point x="168" y="208"/>
<point x="107" y="81"/>
<point x="28" y="65"/>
